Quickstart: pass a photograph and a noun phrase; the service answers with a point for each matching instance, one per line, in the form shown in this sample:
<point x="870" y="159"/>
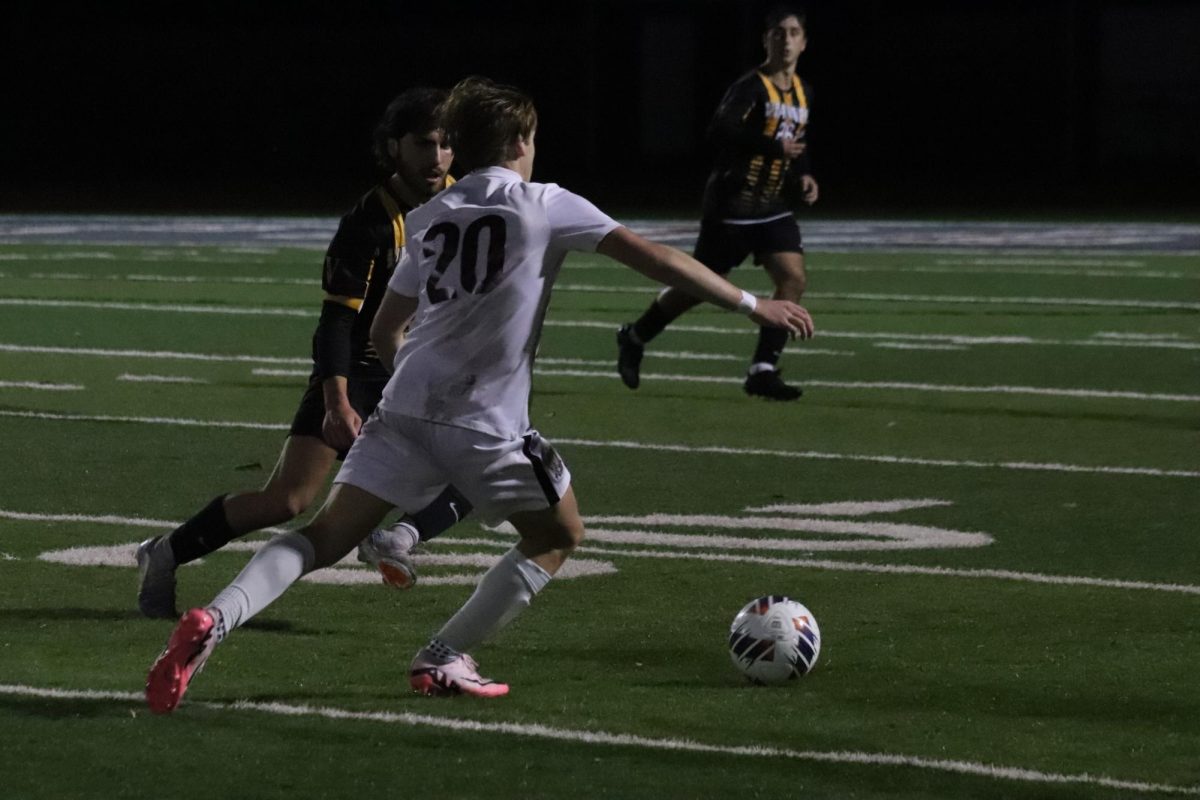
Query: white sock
<point x="503" y="592"/>
<point x="761" y="366"/>
<point x="403" y="533"/>
<point x="276" y="566"/>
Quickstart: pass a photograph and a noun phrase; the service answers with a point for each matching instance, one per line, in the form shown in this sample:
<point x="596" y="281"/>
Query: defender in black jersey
<point x="347" y="378"/>
<point x="761" y="171"/>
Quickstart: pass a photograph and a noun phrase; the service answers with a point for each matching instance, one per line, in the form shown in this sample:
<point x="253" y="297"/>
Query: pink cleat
<point x="460" y="676"/>
<point x="189" y="647"/>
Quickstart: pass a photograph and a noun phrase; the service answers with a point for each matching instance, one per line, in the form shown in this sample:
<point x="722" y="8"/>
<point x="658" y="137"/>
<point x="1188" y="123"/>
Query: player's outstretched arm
<point x="387" y="329"/>
<point x="679" y="270"/>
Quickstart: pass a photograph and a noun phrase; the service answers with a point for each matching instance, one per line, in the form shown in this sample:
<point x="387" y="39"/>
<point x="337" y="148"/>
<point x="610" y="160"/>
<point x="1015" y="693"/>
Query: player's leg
<point x="298" y="476"/>
<point x="783" y="258"/>
<point x="534" y="490"/>
<point x="720" y="247"/>
<point x="347" y="516"/>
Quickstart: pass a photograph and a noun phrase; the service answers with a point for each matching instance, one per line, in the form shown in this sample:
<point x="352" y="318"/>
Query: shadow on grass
<point x="73" y="708"/>
<point x="78" y="614"/>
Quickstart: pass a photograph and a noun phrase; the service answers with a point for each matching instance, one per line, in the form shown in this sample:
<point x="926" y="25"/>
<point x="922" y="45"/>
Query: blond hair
<point x="483" y="119"/>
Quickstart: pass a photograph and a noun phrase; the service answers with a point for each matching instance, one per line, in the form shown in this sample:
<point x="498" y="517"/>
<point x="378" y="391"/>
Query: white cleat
<point x="388" y="551"/>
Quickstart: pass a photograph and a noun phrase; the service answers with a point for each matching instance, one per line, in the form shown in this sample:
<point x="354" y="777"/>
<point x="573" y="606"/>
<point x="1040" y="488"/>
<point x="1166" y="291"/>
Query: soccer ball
<point x="774" y="639"/>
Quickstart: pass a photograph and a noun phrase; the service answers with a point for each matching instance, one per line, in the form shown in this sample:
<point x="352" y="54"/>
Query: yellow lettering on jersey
<point x="784" y="118"/>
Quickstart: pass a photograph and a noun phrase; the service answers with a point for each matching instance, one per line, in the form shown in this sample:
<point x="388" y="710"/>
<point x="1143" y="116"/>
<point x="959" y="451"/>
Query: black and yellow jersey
<point x="750" y="171"/>
<point x="358" y="263"/>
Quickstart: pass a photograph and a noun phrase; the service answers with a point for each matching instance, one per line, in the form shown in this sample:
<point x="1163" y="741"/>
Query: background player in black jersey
<point x="347" y="378"/>
<point x="761" y="169"/>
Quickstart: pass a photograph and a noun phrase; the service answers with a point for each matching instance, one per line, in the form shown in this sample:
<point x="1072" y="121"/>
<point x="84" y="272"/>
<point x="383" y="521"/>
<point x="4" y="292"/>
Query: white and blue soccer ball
<point x="774" y="639"/>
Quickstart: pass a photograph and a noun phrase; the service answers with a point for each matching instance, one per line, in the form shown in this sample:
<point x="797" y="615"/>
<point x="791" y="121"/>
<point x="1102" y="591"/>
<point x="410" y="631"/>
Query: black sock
<point x="447" y="509"/>
<point x="204" y="533"/>
<point x="771" y="342"/>
<point x="651" y="323"/>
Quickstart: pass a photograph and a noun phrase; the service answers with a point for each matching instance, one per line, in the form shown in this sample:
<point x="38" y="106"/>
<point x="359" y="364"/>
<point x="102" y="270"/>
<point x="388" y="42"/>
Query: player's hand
<point x="809" y="184"/>
<point x="340" y="427"/>
<point x="793" y="148"/>
<point x="784" y="314"/>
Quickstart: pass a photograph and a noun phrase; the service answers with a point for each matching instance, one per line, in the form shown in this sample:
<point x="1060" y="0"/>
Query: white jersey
<point x="481" y="257"/>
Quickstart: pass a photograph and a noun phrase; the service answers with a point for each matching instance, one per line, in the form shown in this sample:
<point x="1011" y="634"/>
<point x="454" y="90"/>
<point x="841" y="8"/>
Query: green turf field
<point x="989" y="497"/>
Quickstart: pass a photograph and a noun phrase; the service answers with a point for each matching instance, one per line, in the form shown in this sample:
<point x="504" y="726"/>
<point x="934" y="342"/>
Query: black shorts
<point x="722" y="245"/>
<point x="364" y="394"/>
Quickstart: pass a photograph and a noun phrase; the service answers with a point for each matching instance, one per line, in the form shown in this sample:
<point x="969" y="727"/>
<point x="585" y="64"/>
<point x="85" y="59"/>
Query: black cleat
<point x="629" y="357"/>
<point x="769" y="385"/>
<point x="156" y="579"/>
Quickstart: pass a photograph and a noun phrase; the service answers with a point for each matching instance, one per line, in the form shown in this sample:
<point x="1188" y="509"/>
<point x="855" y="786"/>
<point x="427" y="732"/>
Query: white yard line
<point x="189" y="423"/>
<point x="948" y="338"/>
<point x="1048" y="391"/>
<point x="171" y="308"/>
<point x="804" y="455"/>
<point x="597" y="738"/>
<point x="41" y="386"/>
<point x="98" y="352"/>
<point x="159" y="378"/>
<point x="1099" y="394"/>
<point x="1166" y="305"/>
<point x="925" y="298"/>
<point x="185" y="279"/>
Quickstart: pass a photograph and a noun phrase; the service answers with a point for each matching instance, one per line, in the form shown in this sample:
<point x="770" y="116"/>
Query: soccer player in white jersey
<point x="460" y="325"/>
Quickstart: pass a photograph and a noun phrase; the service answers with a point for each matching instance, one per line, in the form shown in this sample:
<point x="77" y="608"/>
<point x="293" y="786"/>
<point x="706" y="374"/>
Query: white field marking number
<point x="809" y="528"/>
<point x="346" y="572"/>
<point x="825" y="520"/>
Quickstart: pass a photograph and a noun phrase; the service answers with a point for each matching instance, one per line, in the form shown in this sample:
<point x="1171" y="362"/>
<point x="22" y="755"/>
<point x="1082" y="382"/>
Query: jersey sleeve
<point x="349" y="261"/>
<point x="729" y="127"/>
<point x="575" y="223"/>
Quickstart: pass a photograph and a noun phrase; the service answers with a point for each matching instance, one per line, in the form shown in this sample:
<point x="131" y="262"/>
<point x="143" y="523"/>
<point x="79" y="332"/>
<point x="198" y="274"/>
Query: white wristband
<point x="748" y="303"/>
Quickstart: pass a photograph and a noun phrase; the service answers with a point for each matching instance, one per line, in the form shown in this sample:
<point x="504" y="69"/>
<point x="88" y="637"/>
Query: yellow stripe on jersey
<point x="393" y="210"/>
<point x="798" y="88"/>
<point x="773" y="96"/>
<point x="342" y="300"/>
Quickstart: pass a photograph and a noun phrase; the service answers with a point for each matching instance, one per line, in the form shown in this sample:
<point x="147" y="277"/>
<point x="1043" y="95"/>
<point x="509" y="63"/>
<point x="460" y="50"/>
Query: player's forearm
<point x="331" y="342"/>
<point x="671" y="267"/>
<point x="334" y="389"/>
<point x="388" y="327"/>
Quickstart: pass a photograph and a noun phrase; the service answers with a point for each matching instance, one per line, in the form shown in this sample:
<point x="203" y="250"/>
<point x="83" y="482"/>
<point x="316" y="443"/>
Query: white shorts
<point x="408" y="462"/>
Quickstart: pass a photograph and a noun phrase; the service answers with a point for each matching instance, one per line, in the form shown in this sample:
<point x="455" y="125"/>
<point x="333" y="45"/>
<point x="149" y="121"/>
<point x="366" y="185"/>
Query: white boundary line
<point x="812" y="455"/>
<point x="609" y="739"/>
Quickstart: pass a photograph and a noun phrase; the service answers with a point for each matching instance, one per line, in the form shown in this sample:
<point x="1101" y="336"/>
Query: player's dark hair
<point x="412" y="111"/>
<point x="482" y="119"/>
<point x="778" y="13"/>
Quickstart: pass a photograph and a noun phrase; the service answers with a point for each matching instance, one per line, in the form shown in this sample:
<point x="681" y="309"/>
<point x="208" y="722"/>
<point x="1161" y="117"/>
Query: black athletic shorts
<point x="364" y="396"/>
<point x="722" y="245"/>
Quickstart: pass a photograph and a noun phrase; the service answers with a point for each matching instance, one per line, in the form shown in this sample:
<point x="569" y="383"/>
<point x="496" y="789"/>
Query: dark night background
<point x="1058" y="107"/>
